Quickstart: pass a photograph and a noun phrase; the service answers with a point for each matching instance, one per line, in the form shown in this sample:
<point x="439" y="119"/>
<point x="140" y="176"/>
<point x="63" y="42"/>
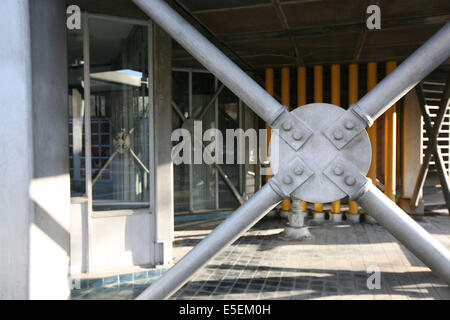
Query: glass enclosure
<point x="113" y="53"/>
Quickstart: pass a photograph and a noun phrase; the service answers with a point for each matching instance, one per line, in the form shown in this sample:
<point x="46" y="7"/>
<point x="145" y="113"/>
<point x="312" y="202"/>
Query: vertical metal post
<point x="353" y="98"/>
<point x="285" y="101"/>
<point x="301" y="101"/>
<point x="269" y="89"/>
<point x="390" y="145"/>
<point x="336" y="100"/>
<point x="318" y="97"/>
<point x="372" y="131"/>
<point x="228" y="231"/>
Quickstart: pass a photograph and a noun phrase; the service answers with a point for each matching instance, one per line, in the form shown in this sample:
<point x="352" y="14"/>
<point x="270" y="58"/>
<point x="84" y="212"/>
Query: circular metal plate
<point x="318" y="153"/>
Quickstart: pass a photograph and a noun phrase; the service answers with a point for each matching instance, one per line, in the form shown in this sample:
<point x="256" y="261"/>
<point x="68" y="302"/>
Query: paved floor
<point x="332" y="266"/>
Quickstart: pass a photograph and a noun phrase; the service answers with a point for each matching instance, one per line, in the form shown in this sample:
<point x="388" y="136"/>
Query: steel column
<point x="318" y="97"/>
<point x="285" y="101"/>
<point x="390" y="144"/>
<point x="269" y="88"/>
<point x="301" y="101"/>
<point x="336" y="100"/>
<point x="353" y="98"/>
<point x="424" y="60"/>
<point x="261" y="102"/>
<point x="234" y="226"/>
<point x="406" y="230"/>
<point x="372" y="131"/>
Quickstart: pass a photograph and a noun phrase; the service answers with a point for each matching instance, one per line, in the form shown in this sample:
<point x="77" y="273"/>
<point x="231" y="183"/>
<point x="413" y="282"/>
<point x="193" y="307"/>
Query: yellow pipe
<point x="318" y="97"/>
<point x="301" y="100"/>
<point x="390" y="145"/>
<point x="336" y="100"/>
<point x="301" y="86"/>
<point x="372" y="131"/>
<point x="352" y="98"/>
<point x="285" y="101"/>
<point x="269" y="89"/>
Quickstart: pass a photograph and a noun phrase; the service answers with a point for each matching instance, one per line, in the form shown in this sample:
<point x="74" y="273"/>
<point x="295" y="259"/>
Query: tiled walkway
<point x="332" y="266"/>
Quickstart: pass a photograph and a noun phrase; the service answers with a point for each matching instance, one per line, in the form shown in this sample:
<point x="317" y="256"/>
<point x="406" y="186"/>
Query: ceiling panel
<point x="200" y="5"/>
<point x="322" y="13"/>
<point x="410" y="8"/>
<point x="241" y="20"/>
<point x="414" y="34"/>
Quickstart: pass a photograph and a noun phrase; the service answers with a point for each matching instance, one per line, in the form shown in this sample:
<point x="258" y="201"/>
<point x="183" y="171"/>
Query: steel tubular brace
<point x="347" y="130"/>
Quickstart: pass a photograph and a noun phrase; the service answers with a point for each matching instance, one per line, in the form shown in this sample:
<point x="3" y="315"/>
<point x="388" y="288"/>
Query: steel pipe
<point x="262" y="103"/>
<point x="430" y="251"/>
<point x="424" y="60"/>
<point x="240" y="221"/>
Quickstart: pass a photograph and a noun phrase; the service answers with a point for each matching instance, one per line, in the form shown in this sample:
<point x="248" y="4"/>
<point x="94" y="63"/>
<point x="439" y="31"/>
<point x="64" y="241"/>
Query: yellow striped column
<point x="390" y="145"/>
<point x="336" y="100"/>
<point x="301" y="101"/>
<point x="285" y="101"/>
<point x="318" y="97"/>
<point x="372" y="131"/>
<point x="353" y="214"/>
<point x="269" y="89"/>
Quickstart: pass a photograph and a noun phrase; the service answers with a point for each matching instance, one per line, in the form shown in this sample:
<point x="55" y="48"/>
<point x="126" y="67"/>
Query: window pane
<point x="119" y="108"/>
<point x="76" y="113"/>
<point x="204" y="175"/>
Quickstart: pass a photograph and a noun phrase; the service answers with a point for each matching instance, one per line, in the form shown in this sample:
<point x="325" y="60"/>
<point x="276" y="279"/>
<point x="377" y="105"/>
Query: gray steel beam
<point x="407" y="75"/>
<point x="234" y="226"/>
<point x="262" y="103"/>
<point x="406" y="230"/>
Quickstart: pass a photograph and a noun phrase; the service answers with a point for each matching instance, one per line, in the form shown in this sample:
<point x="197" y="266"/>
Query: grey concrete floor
<point x="334" y="265"/>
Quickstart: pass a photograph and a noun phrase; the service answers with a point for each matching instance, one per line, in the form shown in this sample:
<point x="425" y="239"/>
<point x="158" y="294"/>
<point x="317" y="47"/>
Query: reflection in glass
<point x="119" y="107"/>
<point x="76" y="113"/>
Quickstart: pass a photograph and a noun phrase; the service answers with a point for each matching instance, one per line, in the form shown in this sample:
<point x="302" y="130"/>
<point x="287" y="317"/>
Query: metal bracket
<point x="290" y="177"/>
<point x="293" y="129"/>
<point x="348" y="126"/>
<point x="346" y="177"/>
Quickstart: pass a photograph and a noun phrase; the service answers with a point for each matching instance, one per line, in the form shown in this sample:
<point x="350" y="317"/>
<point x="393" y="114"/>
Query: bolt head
<point x="349" y="125"/>
<point x="287" y="125"/>
<point x="298" y="170"/>
<point x="338" y="170"/>
<point x="349" y="180"/>
<point x="287" y="179"/>
<point x="338" y="135"/>
<point x="298" y="135"/>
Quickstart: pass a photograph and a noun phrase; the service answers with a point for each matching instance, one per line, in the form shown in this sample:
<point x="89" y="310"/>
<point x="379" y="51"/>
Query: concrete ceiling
<point x="262" y="33"/>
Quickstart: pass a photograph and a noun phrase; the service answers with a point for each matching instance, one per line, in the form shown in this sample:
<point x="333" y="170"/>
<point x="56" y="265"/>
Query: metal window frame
<point x="86" y="16"/>
<point x="217" y="208"/>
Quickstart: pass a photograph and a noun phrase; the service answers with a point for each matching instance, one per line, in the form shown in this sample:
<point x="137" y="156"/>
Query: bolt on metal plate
<point x="318" y="152"/>
<point x="293" y="130"/>
<point x="347" y="127"/>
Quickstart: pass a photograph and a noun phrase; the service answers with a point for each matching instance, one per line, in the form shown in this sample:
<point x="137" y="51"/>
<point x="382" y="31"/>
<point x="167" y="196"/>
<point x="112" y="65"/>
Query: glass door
<point x="119" y="108"/>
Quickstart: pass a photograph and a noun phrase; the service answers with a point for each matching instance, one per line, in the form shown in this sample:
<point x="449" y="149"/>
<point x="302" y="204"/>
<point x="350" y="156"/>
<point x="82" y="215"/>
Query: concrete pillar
<point x="411" y="148"/>
<point x="16" y="148"/>
<point x="163" y="215"/>
<point x="34" y="171"/>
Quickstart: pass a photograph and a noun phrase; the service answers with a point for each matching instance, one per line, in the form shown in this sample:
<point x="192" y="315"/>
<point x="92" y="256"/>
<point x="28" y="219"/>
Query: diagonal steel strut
<point x="360" y="115"/>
